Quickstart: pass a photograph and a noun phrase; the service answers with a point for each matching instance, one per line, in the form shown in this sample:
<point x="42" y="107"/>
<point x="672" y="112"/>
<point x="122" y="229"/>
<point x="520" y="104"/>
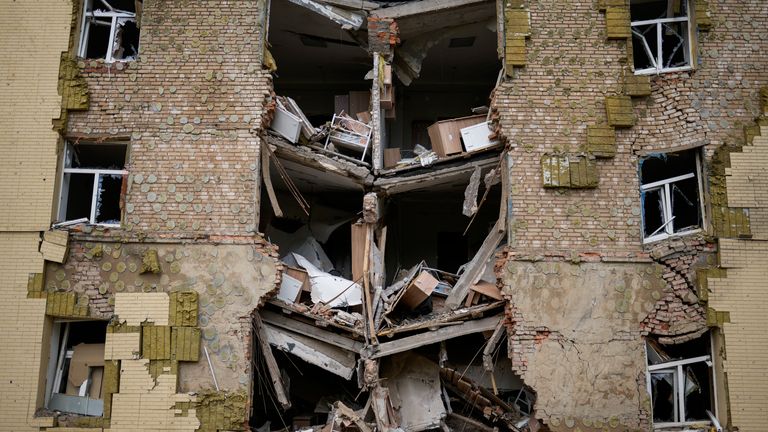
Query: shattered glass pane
<point x="685" y="205"/>
<point x="652" y="211"/>
<point x="674" y="44"/>
<point x="101" y="156"/>
<point x="108" y="199"/>
<point x="662" y="166"/>
<point x="126" y="45"/>
<point x="644" y="46"/>
<point x="642" y="10"/>
<point x="663" y="385"/>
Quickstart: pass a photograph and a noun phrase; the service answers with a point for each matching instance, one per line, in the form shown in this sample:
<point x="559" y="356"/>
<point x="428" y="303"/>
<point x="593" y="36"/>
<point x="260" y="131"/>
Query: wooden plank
<point x="274" y="370"/>
<point x="267" y="177"/>
<point x="449" y="319"/>
<point x="359" y="231"/>
<point x="333" y="359"/>
<point x="487" y="289"/>
<point x="490" y="345"/>
<point x="394" y="185"/>
<point x="353" y="4"/>
<point x="474" y="269"/>
<point x="419" y="340"/>
<point x="420" y="7"/>
<point x="332" y="338"/>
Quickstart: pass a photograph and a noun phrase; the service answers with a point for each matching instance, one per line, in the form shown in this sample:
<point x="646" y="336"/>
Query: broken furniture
<point x="349" y="133"/>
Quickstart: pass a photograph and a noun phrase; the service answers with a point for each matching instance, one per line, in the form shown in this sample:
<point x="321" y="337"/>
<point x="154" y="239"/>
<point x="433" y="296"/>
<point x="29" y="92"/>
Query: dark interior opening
<point x="316" y="61"/>
<point x="127" y="37"/>
<point x="102" y="156"/>
<point x="79" y="195"/>
<point x="98" y="38"/>
<point x="428" y="225"/>
<point x="108" y="196"/>
<point x="458" y="73"/>
<point x="311" y="390"/>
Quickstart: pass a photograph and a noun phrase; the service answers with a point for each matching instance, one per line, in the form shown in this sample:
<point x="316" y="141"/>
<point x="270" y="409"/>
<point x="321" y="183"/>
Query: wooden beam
<point x="412" y="342"/>
<point x="445" y="320"/>
<point x="274" y="370"/>
<point x="265" y="174"/>
<point x="459" y="174"/>
<point x="423" y="6"/>
<point x="353" y="4"/>
<point x="490" y="346"/>
<point x="326" y="356"/>
<point x="474" y="269"/>
<point x="305" y="329"/>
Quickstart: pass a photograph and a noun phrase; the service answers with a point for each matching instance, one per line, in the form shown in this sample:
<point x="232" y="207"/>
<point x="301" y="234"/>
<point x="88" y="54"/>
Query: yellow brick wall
<point x="136" y="308"/>
<point x="21" y="330"/>
<point x="744" y="291"/>
<point x="31" y="41"/>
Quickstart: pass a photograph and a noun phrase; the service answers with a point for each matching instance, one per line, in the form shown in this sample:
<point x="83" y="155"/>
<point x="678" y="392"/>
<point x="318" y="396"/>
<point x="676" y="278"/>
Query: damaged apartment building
<point x="374" y="215"/>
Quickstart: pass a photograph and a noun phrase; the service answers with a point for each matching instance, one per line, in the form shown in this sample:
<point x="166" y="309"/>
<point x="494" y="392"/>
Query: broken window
<point x="76" y="367"/>
<point x="92" y="183"/>
<point x="110" y="30"/>
<point x="671" y="194"/>
<point x="660" y="35"/>
<point x="681" y="383"/>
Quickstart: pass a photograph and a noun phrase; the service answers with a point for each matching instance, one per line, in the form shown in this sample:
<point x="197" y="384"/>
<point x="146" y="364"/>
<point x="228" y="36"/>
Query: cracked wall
<point x="587" y="316"/>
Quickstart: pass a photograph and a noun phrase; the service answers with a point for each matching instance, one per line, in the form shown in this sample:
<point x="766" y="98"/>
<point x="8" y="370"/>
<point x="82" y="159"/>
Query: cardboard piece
<point x="445" y="135"/>
<point x="487" y="289"/>
<point x="391" y="157"/>
<point x="476" y="137"/>
<point x="418" y="290"/>
<point x="85" y="357"/>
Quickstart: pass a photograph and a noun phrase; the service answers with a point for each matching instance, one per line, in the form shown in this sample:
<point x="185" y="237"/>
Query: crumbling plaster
<point x="587" y="316"/>
<point x="231" y="281"/>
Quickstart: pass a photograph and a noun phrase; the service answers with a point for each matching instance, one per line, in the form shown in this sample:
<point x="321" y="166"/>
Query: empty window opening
<point x="92" y="183"/>
<point x="76" y="367"/>
<point x="660" y="35"/>
<point x="681" y="383"/>
<point x="110" y="30"/>
<point x="671" y="194"/>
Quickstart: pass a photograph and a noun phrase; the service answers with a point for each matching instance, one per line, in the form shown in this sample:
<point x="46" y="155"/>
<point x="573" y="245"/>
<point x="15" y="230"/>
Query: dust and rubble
<point x="389" y="314"/>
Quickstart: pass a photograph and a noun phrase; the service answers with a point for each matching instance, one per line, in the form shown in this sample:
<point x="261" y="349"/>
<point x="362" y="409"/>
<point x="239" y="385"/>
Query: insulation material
<point x="414" y="386"/>
<point x="184" y="307"/>
<point x="331" y="290"/>
<point x="185" y="344"/>
<point x="156" y="342"/>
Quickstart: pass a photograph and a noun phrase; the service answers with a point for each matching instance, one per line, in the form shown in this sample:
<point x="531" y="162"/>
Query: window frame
<point x="676" y="368"/>
<point x="666" y="230"/>
<point x="96" y="172"/>
<point x="115" y="16"/>
<point x="58" y="356"/>
<point x="658" y="60"/>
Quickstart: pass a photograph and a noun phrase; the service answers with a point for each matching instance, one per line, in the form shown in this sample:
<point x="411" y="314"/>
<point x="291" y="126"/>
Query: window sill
<point x="663" y="71"/>
<point x="659" y="237"/>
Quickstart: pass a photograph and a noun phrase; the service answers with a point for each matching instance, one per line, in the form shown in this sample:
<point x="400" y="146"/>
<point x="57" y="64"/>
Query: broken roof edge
<point x="422" y="7"/>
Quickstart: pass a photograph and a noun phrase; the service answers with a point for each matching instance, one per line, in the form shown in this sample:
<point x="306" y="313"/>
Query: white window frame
<point x="667" y="229"/>
<point x="676" y="368"/>
<point x="97" y="173"/>
<point x="115" y="15"/>
<point x="658" y="61"/>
